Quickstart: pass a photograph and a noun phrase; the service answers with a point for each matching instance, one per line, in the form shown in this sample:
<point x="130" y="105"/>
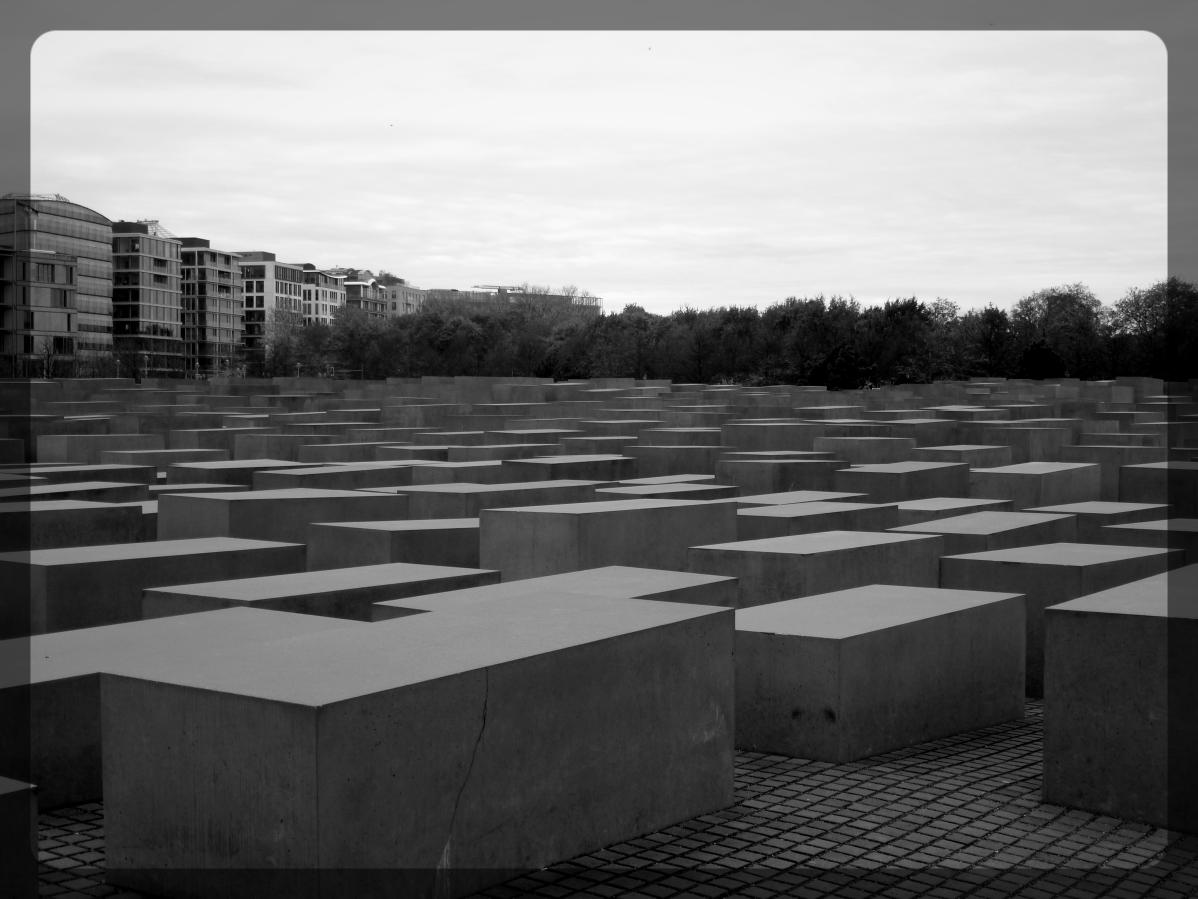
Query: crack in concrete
<point x="443" y="864"/>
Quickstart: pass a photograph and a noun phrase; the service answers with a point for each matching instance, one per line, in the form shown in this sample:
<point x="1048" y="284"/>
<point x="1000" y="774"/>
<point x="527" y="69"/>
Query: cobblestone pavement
<point x="960" y="816"/>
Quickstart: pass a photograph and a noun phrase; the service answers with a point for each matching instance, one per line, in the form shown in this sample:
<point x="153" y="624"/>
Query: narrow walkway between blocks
<point x="958" y="817"/>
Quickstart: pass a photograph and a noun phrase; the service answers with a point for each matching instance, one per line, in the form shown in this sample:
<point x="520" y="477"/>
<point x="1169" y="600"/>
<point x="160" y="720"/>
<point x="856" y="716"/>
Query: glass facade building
<point x="146" y="299"/>
<point x="212" y="308"/>
<point x="57" y="280"/>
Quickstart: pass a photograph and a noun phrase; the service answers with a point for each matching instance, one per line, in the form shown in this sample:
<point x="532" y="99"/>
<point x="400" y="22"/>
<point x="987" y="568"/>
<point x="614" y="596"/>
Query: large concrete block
<point x="1110" y="460"/>
<point x="235" y="471"/>
<point x="919" y="511"/>
<point x="538" y="540"/>
<point x="431" y="541"/>
<point x="621" y="581"/>
<point x="1093" y="517"/>
<point x="779" y="568"/>
<point x="853" y="673"/>
<point x="60" y="688"/>
<point x="1174" y="483"/>
<point x="430" y="756"/>
<point x="749" y="436"/>
<point x="867" y="450"/>
<point x="468" y="500"/>
<point x="18" y="836"/>
<point x="1037" y="483"/>
<point x="90" y="491"/>
<point x="675" y="490"/>
<point x="270" y="514"/>
<point x="765" y="475"/>
<point x="85" y="586"/>
<point x="349" y="476"/>
<point x="973" y="455"/>
<point x="85" y="449"/>
<point x="48" y="524"/>
<point x="798" y="496"/>
<point x="977" y="532"/>
<point x="1166" y="533"/>
<point x="899" y="481"/>
<point x="653" y="461"/>
<point x="757" y="522"/>
<point x="333" y="592"/>
<point x="74" y="474"/>
<point x="1050" y="574"/>
<point x="1119" y="676"/>
<point x="161" y="459"/>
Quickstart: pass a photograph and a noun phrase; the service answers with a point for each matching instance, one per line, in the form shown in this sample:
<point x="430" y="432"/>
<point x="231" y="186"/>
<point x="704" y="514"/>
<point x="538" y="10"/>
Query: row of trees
<point x="1058" y="332"/>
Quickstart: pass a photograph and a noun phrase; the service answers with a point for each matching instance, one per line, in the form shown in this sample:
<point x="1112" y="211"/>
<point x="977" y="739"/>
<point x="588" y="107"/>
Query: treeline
<point x="1058" y="332"/>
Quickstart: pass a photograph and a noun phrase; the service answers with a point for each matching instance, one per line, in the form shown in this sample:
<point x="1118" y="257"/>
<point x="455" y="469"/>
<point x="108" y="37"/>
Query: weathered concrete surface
<point x="1119" y="676"/>
<point x="85" y="586"/>
<point x="846" y="675"/>
<point x="538" y="540"/>
<point x="758" y="522"/>
<point x="918" y="511"/>
<point x="1034" y="484"/>
<point x="60" y="688"/>
<point x="621" y="581"/>
<point x="18" y="836"/>
<point x="468" y="500"/>
<point x="1050" y="574"/>
<point x="47" y="524"/>
<point x="1093" y="517"/>
<point x="898" y="481"/>
<point x="311" y="764"/>
<point x="270" y="514"/>
<point x="982" y="531"/>
<point x="431" y="541"/>
<point x="333" y="592"/>
<point x="779" y="568"/>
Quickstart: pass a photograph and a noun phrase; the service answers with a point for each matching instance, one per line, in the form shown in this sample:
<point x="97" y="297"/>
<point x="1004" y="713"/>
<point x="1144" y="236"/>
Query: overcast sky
<point x="659" y="168"/>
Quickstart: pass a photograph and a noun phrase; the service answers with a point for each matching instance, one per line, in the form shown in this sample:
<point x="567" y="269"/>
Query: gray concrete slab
<point x="758" y="522"/>
<point x="779" y="568"/>
<point x="1113" y="679"/>
<point x="846" y="675"/>
<point x="428" y="541"/>
<point x="313" y="763"/>
<point x="983" y="531"/>
<point x="549" y="539"/>
<point x="1050" y="574"/>
<point x="85" y="586"/>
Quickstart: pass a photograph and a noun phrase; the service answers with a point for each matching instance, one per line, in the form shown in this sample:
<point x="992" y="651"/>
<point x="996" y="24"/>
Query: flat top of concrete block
<point x="980" y="523"/>
<point x="121" y="647"/>
<point x="241" y="463"/>
<point x="334" y="467"/>
<point x="103" y="468"/>
<point x="465" y="488"/>
<point x="52" y="505"/>
<point x="795" y="496"/>
<point x="799" y="510"/>
<point x="568" y="459"/>
<point x="612" y="580"/>
<point x="670" y="479"/>
<point x="147" y="549"/>
<point x="1172" y="525"/>
<point x="333" y="666"/>
<point x="903" y="467"/>
<point x="66" y="487"/>
<point x="963" y="447"/>
<point x="325" y="580"/>
<point x="905" y="441"/>
<point x="281" y="495"/>
<point x="822" y="542"/>
<point x="406" y="524"/>
<point x="1167" y="466"/>
<point x="776" y="455"/>
<point x="1097" y="507"/>
<point x="602" y="506"/>
<point x="680" y="489"/>
<point x="940" y="503"/>
<point x="860" y="610"/>
<point x="1036" y="468"/>
<point x="1072" y="555"/>
<point x="1171" y="594"/>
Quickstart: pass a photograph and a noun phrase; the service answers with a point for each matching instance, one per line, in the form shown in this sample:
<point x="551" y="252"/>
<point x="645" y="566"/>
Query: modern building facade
<point x="404" y="298"/>
<point x="213" y="317"/>
<point x="273" y="296"/>
<point x="324" y="294"/>
<point x="486" y="297"/>
<point x="147" y="309"/>
<point x="57" y="285"/>
<point x="364" y="292"/>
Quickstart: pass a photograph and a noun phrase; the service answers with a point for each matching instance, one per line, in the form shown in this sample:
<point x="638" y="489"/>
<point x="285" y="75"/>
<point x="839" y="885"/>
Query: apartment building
<point x="147" y="294"/>
<point x="213" y="316"/>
